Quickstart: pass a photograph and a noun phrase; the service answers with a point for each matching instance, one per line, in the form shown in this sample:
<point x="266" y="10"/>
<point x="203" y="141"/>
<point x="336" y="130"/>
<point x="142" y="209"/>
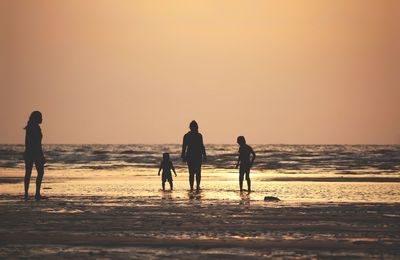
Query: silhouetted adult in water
<point x="193" y="152"/>
<point x="34" y="153"/>
<point x="245" y="162"/>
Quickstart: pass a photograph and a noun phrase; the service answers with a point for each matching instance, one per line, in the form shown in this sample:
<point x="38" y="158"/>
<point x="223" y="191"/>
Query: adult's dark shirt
<point x="193" y="147"/>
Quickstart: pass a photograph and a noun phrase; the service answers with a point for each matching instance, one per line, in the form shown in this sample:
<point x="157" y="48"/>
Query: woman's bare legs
<point x="28" y="173"/>
<point x="39" y="178"/>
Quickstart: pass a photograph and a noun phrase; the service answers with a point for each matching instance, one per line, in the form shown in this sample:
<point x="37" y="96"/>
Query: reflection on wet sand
<point x="244" y="198"/>
<point x="195" y="195"/>
<point x="216" y="186"/>
<point x="166" y="197"/>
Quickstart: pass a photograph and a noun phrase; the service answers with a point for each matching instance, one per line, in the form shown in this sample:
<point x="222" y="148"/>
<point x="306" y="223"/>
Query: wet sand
<point x="111" y="221"/>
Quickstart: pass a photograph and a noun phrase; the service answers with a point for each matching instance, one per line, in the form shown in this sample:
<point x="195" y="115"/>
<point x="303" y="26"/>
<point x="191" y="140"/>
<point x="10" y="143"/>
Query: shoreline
<point x="10" y="180"/>
<point x="216" y="185"/>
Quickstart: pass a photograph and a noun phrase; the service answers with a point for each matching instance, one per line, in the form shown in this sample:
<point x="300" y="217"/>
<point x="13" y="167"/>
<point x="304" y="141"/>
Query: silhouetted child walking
<point x="166" y="167"/>
<point x="245" y="162"/>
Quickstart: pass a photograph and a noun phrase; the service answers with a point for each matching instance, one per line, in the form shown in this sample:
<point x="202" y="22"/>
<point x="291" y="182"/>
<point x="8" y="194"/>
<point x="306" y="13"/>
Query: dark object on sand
<point x="271" y="199"/>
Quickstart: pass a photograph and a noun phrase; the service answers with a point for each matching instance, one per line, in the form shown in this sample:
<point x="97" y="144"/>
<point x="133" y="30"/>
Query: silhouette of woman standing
<point x="193" y="152"/>
<point x="34" y="153"/>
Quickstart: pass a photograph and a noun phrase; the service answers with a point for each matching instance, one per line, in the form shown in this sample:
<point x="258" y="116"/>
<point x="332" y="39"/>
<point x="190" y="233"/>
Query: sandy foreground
<point x="118" y="215"/>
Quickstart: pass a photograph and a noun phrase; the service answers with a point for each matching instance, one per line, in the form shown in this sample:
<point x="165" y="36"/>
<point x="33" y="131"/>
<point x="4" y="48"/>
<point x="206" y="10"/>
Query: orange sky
<point x="139" y="71"/>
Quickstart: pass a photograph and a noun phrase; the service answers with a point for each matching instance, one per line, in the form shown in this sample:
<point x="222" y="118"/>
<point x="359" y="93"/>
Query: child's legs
<point x="248" y="179"/>
<point x="241" y="176"/>
<point x="171" y="185"/>
<point x="163" y="184"/>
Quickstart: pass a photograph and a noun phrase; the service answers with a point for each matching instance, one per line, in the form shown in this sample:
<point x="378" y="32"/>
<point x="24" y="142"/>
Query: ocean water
<point x="291" y="159"/>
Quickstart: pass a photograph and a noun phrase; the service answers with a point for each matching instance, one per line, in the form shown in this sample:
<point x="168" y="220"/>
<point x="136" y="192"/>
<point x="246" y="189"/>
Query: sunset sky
<point x="295" y="72"/>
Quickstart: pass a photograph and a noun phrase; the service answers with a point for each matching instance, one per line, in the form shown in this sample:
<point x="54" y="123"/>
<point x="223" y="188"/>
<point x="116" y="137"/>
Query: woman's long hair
<point x="34" y="119"/>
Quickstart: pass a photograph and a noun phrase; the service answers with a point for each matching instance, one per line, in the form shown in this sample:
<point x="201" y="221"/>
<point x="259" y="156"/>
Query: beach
<point x="280" y="119"/>
<point x="125" y="214"/>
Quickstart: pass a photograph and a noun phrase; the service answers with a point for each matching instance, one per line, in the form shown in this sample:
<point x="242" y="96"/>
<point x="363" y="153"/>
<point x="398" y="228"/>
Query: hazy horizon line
<point x="355" y="144"/>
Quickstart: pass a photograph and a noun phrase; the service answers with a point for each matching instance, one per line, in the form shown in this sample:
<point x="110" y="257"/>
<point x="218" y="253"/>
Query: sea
<point x="286" y="159"/>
